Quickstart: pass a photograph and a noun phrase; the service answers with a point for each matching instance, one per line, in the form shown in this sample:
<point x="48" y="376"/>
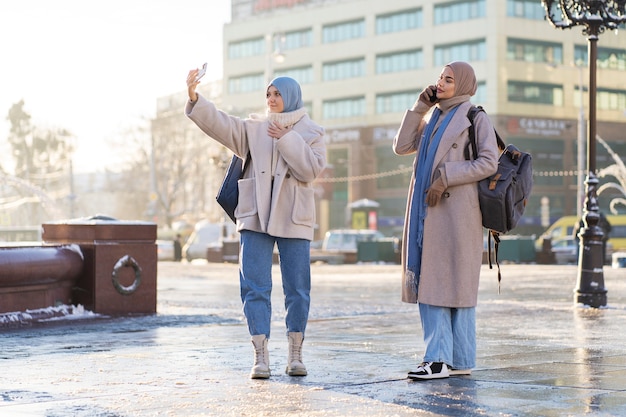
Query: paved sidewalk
<point x="538" y="353"/>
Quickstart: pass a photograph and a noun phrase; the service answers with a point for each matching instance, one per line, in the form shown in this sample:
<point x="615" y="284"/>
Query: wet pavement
<point x="539" y="354"/>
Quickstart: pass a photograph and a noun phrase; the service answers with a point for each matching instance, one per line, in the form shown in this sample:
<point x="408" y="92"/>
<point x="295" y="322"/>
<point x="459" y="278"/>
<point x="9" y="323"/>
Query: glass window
<point x="347" y="107"/>
<point x="399" y="61"/>
<point x="547" y="159"/>
<point x="304" y="75"/>
<point x="607" y="58"/>
<point x="246" y="48"/>
<point x="467" y="51"/>
<point x="580" y="55"/>
<point x="614" y="59"/>
<point x="534" y="51"/>
<point x="611" y="99"/>
<point x="527" y="9"/>
<point x="343" y="69"/>
<point x="343" y="31"/>
<point x="297" y="39"/>
<point x="395" y="102"/>
<point x="537" y="93"/>
<point x="400" y="21"/>
<point x="480" y="98"/>
<point x="246" y="83"/>
<point x="387" y="161"/>
<point x="458" y="11"/>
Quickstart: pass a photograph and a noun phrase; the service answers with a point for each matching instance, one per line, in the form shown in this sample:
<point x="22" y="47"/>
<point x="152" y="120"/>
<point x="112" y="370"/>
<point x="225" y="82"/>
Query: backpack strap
<point x="471" y="115"/>
<point x="496" y="245"/>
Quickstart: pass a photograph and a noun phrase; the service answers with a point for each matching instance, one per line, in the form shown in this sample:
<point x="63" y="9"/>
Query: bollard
<point x="120" y="263"/>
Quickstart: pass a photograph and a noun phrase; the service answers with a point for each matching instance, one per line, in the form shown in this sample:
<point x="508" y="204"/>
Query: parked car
<point x="205" y="236"/>
<point x="345" y="240"/>
<point x="165" y="250"/>
<point x="565" y="251"/>
<point x="340" y="245"/>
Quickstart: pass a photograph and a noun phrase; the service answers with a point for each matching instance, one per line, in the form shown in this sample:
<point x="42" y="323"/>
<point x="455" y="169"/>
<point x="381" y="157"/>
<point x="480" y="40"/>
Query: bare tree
<point x="40" y="156"/>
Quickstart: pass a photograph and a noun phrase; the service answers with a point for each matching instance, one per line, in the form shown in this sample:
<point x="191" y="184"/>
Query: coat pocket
<point x="247" y="198"/>
<point x="304" y="206"/>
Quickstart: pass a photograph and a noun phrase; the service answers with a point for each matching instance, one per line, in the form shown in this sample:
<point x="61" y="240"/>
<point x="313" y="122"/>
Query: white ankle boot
<point x="261" y="368"/>
<point x="295" y="367"/>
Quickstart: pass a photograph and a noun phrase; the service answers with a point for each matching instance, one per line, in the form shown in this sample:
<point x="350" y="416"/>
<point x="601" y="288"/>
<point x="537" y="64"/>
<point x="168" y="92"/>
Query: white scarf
<point x="287" y="119"/>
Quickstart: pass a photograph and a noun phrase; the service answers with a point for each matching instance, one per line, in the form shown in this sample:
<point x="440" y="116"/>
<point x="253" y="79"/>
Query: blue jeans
<point x="449" y="335"/>
<point x="255" y="278"/>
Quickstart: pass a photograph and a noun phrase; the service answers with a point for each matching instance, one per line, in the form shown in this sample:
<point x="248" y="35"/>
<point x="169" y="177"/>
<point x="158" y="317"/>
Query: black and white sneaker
<point x="430" y="370"/>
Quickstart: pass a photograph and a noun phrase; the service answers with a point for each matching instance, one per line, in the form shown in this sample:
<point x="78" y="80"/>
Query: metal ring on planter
<point x="123" y="262"/>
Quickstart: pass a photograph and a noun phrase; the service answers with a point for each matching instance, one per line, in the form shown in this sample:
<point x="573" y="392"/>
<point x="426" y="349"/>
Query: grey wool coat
<point x="453" y="232"/>
<point x="282" y="206"/>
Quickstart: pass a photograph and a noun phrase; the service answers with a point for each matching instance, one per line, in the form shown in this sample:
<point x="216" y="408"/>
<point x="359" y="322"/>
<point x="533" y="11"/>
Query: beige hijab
<point x="465" y="84"/>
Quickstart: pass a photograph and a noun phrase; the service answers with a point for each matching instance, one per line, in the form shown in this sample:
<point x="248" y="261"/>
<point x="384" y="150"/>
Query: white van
<point x="207" y="235"/>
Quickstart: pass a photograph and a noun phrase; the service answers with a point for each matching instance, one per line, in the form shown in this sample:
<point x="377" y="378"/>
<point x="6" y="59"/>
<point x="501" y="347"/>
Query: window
<point x="547" y="158"/>
<point x="458" y="11"/>
<point x="246" y="83"/>
<point x="607" y="58"/>
<point x="468" y="51"/>
<point x="304" y="75"/>
<point x="400" y="21"/>
<point x="611" y="99"/>
<point x="343" y="31"/>
<point x="614" y="59"/>
<point x="297" y="39"/>
<point x="480" y="98"/>
<point x="537" y="93"/>
<point x="395" y="102"/>
<point x="387" y="161"/>
<point x="249" y="47"/>
<point x="534" y="51"/>
<point x="347" y="107"/>
<point x="343" y="69"/>
<point x="399" y="61"/>
<point x="527" y="9"/>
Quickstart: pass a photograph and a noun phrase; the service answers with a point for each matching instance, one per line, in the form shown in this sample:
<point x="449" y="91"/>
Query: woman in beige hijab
<point x="443" y="232"/>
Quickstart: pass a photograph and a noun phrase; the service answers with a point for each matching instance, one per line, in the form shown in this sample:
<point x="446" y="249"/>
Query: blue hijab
<point x="423" y="171"/>
<point x="290" y="92"/>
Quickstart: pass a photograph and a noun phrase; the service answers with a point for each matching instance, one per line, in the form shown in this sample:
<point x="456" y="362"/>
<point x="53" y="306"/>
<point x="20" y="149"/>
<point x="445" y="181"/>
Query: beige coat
<point x="453" y="232"/>
<point x="286" y="206"/>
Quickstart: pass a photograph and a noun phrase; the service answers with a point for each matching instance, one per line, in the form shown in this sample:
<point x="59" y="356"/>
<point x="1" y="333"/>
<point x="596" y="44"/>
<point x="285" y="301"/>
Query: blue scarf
<point x="423" y="171"/>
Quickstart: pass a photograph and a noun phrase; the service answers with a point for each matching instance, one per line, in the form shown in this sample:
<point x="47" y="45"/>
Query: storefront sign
<point x="537" y="127"/>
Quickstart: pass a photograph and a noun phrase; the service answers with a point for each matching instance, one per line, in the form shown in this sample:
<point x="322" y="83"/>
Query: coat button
<point x="446" y="195"/>
<point x="288" y="176"/>
<point x="454" y="146"/>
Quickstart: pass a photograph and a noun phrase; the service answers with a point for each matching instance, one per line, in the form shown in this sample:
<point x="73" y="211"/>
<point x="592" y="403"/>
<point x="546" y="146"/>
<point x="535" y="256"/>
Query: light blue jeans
<point x="255" y="278"/>
<point x="449" y="335"/>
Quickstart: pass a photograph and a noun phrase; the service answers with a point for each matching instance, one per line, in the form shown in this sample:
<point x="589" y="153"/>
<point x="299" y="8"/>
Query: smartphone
<point x="433" y="98"/>
<point x="201" y="72"/>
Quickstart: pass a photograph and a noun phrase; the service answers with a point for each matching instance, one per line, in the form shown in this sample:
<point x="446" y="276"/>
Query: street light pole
<point x="595" y="17"/>
<point x="581" y="147"/>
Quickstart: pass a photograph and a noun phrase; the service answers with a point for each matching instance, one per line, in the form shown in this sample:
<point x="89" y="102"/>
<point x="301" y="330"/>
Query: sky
<point x="97" y="68"/>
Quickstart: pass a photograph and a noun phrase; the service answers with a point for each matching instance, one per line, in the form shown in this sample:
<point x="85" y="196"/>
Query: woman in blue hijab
<point x="276" y="207"/>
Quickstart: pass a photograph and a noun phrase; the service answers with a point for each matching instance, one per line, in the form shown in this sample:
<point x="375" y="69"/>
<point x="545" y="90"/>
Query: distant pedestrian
<point x="443" y="233"/>
<point x="276" y="207"/>
<point x="178" y="249"/>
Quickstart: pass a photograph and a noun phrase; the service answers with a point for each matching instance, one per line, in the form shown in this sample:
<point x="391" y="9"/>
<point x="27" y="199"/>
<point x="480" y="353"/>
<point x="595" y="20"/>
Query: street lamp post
<point x="595" y="16"/>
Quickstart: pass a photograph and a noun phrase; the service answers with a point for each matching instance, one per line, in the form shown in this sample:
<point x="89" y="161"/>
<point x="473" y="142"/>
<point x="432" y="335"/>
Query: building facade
<point x="362" y="63"/>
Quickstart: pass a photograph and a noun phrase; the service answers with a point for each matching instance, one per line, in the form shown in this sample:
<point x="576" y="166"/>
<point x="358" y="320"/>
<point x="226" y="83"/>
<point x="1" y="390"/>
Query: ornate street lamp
<point x="595" y="16"/>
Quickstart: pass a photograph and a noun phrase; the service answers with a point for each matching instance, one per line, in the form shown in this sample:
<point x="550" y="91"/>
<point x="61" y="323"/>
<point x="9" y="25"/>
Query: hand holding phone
<point x="201" y="72"/>
<point x="433" y="98"/>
